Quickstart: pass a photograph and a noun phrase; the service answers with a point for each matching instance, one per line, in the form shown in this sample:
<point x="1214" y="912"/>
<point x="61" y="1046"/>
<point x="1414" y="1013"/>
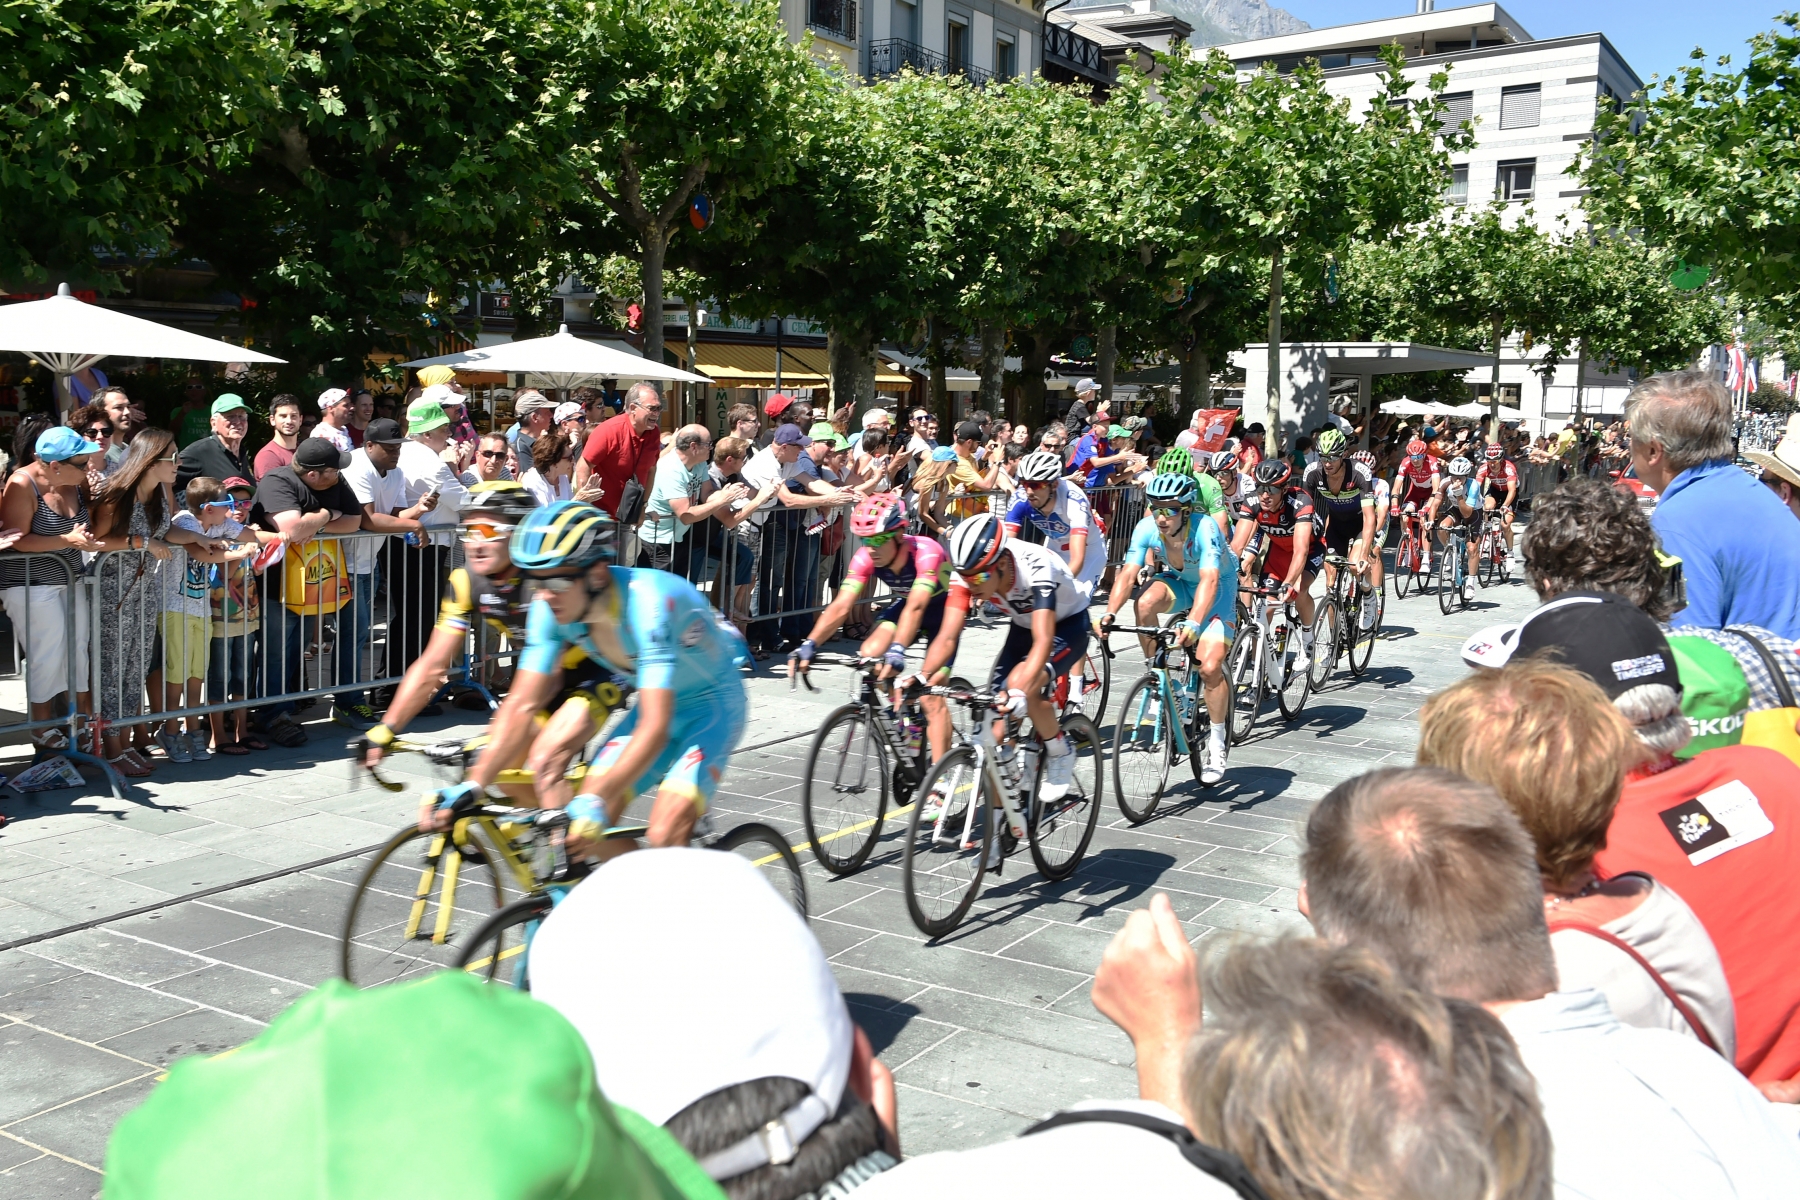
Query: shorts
<point x="1416" y="494"/>
<point x="1067" y="647"/>
<point x="702" y="733"/>
<point x="1497" y="495"/>
<point x="228" y="668"/>
<point x="929" y="623"/>
<point x="590" y="681"/>
<point x="1339" y="534"/>
<point x="1281" y="558"/>
<point x="185" y="642"/>
<point x="1182" y="589"/>
<point x="1218" y="629"/>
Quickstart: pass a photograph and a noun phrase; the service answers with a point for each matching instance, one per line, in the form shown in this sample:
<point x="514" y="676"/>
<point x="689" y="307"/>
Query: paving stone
<point x="80" y="1130"/>
<point x="13" y="1154"/>
<point x="195" y="925"/>
<point x="43" y="1070"/>
<point x="1031" y="1081"/>
<point x="291" y="953"/>
<point x="49" y="1178"/>
<point x="196" y="872"/>
<point x="197" y="1031"/>
<point x="119" y="957"/>
<point x="89" y="1007"/>
<point x="21" y="971"/>
<point x="930" y="1121"/>
<point x="947" y="966"/>
<point x="236" y="991"/>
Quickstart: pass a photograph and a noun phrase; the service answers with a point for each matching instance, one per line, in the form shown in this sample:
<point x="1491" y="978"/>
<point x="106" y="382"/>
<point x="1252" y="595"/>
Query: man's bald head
<point x="1434" y="873"/>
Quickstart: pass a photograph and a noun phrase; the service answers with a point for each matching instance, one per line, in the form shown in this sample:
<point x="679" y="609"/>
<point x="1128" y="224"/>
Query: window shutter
<point x="1519" y="106"/>
<point x="1459" y="107"/>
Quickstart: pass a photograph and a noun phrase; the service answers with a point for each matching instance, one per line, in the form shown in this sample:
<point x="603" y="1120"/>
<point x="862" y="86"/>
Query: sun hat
<point x="790" y="435"/>
<point x="227" y="402"/>
<point x="824" y="431"/>
<point x="317" y="454"/>
<point x="423" y="416"/>
<point x="943" y="454"/>
<point x="727" y="985"/>
<point x="1117" y="431"/>
<point x="439" y="393"/>
<point x="59" y="442"/>
<point x="332" y="396"/>
<point x="1086" y="385"/>
<point x="325" y="1103"/>
<point x="235" y="483"/>
<point x="530" y="400"/>
<point x="567" y="410"/>
<point x="1784" y="460"/>
<point x="431" y="375"/>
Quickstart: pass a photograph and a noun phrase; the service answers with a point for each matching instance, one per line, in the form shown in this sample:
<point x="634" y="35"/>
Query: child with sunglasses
<point x="203" y="603"/>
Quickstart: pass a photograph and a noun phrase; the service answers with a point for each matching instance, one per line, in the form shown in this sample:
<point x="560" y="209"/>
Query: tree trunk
<point x="656" y="248"/>
<point x="937" y="396"/>
<point x="1107" y="358"/>
<point x="1494" y="387"/>
<point x="992" y="366"/>
<point x="1580" y="370"/>
<point x="1035" y="361"/>
<point x="1188" y="393"/>
<point x="1274" y="433"/>
<point x="695" y="409"/>
<point x="852" y="356"/>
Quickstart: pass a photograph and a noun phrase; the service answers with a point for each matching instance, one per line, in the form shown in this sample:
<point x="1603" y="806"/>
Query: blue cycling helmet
<point x="1171" y="488"/>
<point x="565" y="534"/>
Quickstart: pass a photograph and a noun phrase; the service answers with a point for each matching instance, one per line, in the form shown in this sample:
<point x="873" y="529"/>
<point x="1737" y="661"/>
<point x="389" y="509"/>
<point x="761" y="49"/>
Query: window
<point x="958" y="48"/>
<point x="1516" y="179"/>
<point x="1459" y="108"/>
<point x="1519" y="106"/>
<point x="1458" y="191"/>
<point x="1006" y="59"/>
<point x="906" y="21"/>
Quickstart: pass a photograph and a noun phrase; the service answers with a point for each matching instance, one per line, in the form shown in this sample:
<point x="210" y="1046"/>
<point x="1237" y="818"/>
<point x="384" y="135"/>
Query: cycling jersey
<point x="1378" y="488"/>
<point x="1497" y="477"/>
<point x="1279" y="526"/>
<point x="923" y="565"/>
<point x="1413" y="476"/>
<point x="1212" y="497"/>
<point x="1206" y="550"/>
<point x="1041" y="579"/>
<point x="668" y="635"/>
<point x="502" y="603"/>
<point x="1346" y="502"/>
<point x="1067" y="514"/>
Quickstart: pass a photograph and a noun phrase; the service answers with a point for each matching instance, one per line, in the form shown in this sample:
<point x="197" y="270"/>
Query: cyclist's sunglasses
<point x="1167" y="510"/>
<point x="555" y="584"/>
<point x="876" y="541"/>
<point x="977" y="579"/>
<point x="1332" y="460"/>
<point x="1039" y="485"/>
<point x="483" y="531"/>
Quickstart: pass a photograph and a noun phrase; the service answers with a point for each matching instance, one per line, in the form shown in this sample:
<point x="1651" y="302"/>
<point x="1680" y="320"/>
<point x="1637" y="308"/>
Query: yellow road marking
<point x="481" y="963"/>
<point x="832" y="837"/>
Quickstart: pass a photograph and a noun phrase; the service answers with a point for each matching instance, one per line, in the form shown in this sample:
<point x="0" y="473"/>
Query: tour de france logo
<point x="1693" y="826"/>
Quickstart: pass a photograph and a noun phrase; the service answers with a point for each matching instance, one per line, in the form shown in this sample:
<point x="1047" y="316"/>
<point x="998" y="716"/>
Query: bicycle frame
<point x="986" y="749"/>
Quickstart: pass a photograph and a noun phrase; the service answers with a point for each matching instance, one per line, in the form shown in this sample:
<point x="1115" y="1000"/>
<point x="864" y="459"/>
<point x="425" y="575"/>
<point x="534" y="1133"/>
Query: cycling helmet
<point x="1168" y="486"/>
<point x="1040" y="466"/>
<point x="1175" y="462"/>
<point x="975" y="545"/>
<point x="1223" y="461"/>
<point x="499" y="502"/>
<point x="1332" y="443"/>
<point x="884" y="512"/>
<point x="1273" y="472"/>
<point x="1494" y="451"/>
<point x="1460" y="467"/>
<point x="566" y="534"/>
<point x="1365" y="457"/>
<point x="1415" y="449"/>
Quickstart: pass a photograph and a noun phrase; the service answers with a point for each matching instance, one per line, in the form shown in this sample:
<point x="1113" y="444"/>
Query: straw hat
<point x="1785" y="460"/>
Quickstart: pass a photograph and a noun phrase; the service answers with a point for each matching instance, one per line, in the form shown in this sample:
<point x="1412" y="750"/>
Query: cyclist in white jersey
<point x="1384" y="503"/>
<point x="1059" y="509"/>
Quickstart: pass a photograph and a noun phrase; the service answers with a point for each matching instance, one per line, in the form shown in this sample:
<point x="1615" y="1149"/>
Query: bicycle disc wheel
<point x="1243" y="675"/>
<point x="499" y="952"/>
<point x="769" y="853"/>
<point x="1294" y="681"/>
<point x="1143" y="750"/>
<point x="398" y="924"/>
<point x="944" y="858"/>
<point x="1059" y="830"/>
<point x="1327" y="628"/>
<point x="843" y="794"/>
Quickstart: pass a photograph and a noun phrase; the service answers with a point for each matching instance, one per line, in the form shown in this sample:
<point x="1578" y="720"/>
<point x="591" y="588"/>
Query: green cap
<point x="422" y="416"/>
<point x="342" y="1096"/>
<point x="1117" y="431"/>
<point x="1714" y="693"/>
<point x="824" y="431"/>
<point x="227" y="402"/>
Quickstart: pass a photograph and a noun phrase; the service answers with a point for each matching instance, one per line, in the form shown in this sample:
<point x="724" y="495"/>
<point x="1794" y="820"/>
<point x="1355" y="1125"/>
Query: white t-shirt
<point x="1039" y="574"/>
<point x="387" y="493"/>
<point x="337" y="437"/>
<point x="1670" y="937"/>
<point x="424" y="471"/>
<point x="763" y="468"/>
<point x="534" y="482"/>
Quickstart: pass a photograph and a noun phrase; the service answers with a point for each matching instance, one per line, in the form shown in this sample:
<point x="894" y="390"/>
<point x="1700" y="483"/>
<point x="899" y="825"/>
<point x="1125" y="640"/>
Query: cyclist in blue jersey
<point x="1186" y="565"/>
<point x="646" y="624"/>
<point x="1059" y="509"/>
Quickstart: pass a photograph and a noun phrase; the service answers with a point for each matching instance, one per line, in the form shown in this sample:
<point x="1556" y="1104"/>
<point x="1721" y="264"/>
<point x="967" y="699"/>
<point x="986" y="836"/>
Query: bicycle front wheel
<point x="1096" y="685"/>
<point x="1327" y="628"/>
<point x="769" y="853"/>
<point x="947" y="839"/>
<point x="1142" y="750"/>
<point x="1443" y="580"/>
<point x="1059" y="830"/>
<point x="1405" y="568"/>
<point x="415" y="903"/>
<point x="1487" y="570"/>
<point x="1244" y="676"/>
<point x="1293" y="678"/>
<point x="500" y="951"/>
<point x="843" y="795"/>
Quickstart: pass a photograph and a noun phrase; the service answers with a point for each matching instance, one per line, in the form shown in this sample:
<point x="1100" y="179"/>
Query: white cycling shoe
<point x="1216" y="751"/>
<point x="1059" y="774"/>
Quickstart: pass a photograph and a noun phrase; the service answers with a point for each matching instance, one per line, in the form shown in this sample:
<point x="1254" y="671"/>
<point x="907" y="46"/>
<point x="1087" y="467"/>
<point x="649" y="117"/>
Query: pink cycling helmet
<point x="884" y="512"/>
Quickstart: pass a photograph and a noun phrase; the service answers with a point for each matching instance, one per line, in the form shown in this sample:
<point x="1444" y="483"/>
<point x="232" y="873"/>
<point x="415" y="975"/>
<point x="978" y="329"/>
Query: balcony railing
<point x="1066" y="48"/>
<point x="893" y="56"/>
<point x="835" y="18"/>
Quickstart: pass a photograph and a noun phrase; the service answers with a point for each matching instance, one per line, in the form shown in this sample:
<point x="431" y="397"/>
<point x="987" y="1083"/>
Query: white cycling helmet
<point x="1460" y="467"/>
<point x="1040" y="466"/>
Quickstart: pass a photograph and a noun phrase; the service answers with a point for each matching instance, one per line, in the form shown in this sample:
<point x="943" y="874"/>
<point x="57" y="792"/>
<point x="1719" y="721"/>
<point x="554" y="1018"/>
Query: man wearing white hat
<point x="1781" y="468"/>
<point x="572" y="419"/>
<point x="335" y="411"/>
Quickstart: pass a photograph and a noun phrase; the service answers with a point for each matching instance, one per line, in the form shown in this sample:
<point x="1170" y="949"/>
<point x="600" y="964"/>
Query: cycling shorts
<point x="1415" y="493"/>
<point x="1497" y="495"/>
<point x="1182" y="589"/>
<point x="1217" y="629"/>
<point x="702" y="733"/>
<point x="929" y="622"/>
<point x="1280" y="558"/>
<point x="1066" y="649"/>
<point x="1339" y="534"/>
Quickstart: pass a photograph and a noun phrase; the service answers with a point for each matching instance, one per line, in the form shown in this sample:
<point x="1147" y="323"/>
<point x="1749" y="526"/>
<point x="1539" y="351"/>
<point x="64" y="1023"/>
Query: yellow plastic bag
<point x="317" y="579"/>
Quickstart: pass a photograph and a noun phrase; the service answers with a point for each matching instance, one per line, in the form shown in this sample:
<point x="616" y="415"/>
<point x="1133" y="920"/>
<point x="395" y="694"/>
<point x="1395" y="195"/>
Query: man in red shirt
<point x="624" y="449"/>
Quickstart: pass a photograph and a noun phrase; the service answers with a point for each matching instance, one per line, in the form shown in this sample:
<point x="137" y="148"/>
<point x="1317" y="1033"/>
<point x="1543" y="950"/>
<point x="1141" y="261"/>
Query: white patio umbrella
<point x="68" y="335"/>
<point x="1407" y="408"/>
<point x="1476" y="409"/>
<point x="560" y="361"/>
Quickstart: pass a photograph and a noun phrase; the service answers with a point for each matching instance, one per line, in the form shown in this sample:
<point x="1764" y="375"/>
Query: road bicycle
<point x="1163" y="717"/>
<point x="983" y="782"/>
<point x="1338" y="630"/>
<point x="1450" y="572"/>
<point x="1493" y="561"/>
<point x="1409" y="554"/>
<point x="1264" y="659"/>
<point x="868" y="753"/>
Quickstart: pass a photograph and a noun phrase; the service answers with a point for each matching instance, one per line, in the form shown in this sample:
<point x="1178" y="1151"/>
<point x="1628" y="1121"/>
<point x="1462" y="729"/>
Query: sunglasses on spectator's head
<point x="876" y="541"/>
<point x="482" y="531"/>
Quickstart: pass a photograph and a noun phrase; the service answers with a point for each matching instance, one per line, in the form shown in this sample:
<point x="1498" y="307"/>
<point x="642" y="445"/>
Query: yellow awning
<point x="735" y="364"/>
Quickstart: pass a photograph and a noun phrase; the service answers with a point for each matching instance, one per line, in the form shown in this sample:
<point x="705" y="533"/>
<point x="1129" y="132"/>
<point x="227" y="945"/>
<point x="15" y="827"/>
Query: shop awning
<point x="739" y="364"/>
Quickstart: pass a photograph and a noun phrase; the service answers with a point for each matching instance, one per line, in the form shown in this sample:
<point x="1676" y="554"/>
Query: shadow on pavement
<point x="881" y="1017"/>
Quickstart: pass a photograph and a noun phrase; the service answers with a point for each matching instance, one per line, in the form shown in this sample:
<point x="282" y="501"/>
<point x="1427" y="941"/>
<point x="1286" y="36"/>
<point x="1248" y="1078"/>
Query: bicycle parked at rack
<point x="1338" y="630"/>
<point x="1265" y="658"/>
<point x="983" y="782"/>
<point x="1162" y="718"/>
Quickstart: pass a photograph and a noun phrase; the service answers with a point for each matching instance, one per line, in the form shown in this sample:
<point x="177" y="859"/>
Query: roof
<point x="1371" y="358"/>
<point x="1450" y="24"/>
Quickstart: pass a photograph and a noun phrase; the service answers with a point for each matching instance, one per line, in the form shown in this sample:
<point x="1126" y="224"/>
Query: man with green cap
<point x="423" y="569"/>
<point x="354" y="1095"/>
<point x="220" y="456"/>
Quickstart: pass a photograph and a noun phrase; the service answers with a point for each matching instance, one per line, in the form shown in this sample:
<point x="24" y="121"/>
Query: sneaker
<point x="196" y="747"/>
<point x="173" y="747"/>
<point x="356" y="716"/>
<point x="1059" y="775"/>
<point x="1216" y="751"/>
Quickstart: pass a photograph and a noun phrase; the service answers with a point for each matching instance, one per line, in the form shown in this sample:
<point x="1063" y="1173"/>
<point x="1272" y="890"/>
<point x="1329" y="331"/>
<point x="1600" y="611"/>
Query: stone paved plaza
<point x="986" y="1030"/>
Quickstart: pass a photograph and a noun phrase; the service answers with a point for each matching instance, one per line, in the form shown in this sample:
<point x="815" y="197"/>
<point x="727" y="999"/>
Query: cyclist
<point x="1499" y="479"/>
<point x="1223" y="468"/>
<point x="1209" y="497"/>
<point x="1184" y="557"/>
<point x="1417" y="485"/>
<point x="1286" y="526"/>
<point x="651" y="624"/>
<point x="1463" y="508"/>
<point x="1384" y="499"/>
<point x="1059" y="509"/>
<point x="915" y="569"/>
<point x="1344" y="491"/>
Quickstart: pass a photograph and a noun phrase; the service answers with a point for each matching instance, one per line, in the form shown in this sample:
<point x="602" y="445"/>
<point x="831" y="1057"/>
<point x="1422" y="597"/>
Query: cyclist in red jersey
<point x="1291" y="530"/>
<point x="1499" y="482"/>
<point x="1418" y="486"/>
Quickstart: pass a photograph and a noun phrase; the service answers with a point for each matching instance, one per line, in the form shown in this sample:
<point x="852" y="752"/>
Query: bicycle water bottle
<point x="1006" y="758"/>
<point x="912" y="735"/>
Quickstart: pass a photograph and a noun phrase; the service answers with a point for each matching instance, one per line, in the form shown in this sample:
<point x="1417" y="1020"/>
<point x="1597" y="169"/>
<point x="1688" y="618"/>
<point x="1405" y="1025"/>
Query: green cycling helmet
<point x="1175" y="462"/>
<point x="1332" y="443"/>
<point x="1172" y="488"/>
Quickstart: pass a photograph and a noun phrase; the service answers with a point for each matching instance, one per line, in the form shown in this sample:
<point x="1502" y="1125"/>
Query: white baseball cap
<point x="687" y="973"/>
<point x="440" y="393"/>
<point x="566" y="410"/>
<point x="331" y="396"/>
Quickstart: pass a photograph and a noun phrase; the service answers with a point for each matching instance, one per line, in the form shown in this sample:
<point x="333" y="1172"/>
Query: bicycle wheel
<point x="1294" y="680"/>
<point x="499" y="951"/>
<point x="769" y="852"/>
<point x="944" y="858"/>
<point x="398" y="924"/>
<point x="1443" y="575"/>
<point x="1199" y="730"/>
<point x="1059" y="830"/>
<point x="1404" y="566"/>
<point x="1143" y="750"/>
<point x="1244" y="676"/>
<point x="1486" y="569"/>
<point x="1327" y="628"/>
<point x="1098" y="689"/>
<point x="1362" y="643"/>
<point x="843" y="795"/>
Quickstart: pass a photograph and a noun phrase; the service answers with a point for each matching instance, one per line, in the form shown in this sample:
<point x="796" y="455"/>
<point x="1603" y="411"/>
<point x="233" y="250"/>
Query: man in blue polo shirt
<point x="1738" y="544"/>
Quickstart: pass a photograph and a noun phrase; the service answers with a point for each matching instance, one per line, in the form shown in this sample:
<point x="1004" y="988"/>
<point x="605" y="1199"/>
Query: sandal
<point x="54" y="740"/>
<point x="251" y="741"/>
<point x="129" y="765"/>
<point x="232" y="748"/>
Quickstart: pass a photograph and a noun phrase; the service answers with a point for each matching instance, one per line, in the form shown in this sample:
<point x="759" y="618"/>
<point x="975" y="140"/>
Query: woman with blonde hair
<point x="931" y="484"/>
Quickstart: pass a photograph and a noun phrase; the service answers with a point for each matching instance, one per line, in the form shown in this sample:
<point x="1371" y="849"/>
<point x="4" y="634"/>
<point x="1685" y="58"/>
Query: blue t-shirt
<point x="673" y="481"/>
<point x="1739" y="548"/>
<point x="1086" y="448"/>
<point x="1206" y="550"/>
<point x="669" y="633"/>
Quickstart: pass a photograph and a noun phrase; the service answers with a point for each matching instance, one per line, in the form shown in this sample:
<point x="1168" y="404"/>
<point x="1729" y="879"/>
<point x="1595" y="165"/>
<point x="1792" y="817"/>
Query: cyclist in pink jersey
<point x="1418" y="485"/>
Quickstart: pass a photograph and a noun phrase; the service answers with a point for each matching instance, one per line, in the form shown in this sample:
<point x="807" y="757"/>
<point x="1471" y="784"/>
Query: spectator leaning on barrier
<point x="1738" y="544"/>
<point x="1435" y="874"/>
<point x="744" y="422"/>
<point x="186" y="629"/>
<point x="234" y="609"/>
<point x="219" y="455"/>
<point x="284" y="421"/>
<point x="967" y="474"/>
<point x="738" y="537"/>
<point x="623" y="451"/>
<point x="43" y="510"/>
<point x="416" y="574"/>
<point x="797" y="486"/>
<point x="664" y="540"/>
